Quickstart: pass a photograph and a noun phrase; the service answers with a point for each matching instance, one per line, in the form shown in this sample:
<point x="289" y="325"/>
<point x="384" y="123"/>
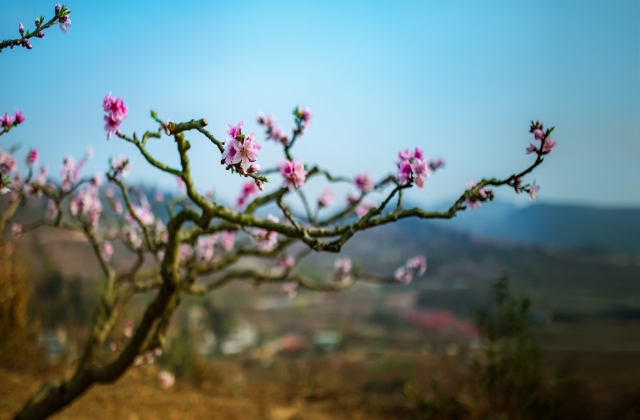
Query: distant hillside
<point x="560" y="226"/>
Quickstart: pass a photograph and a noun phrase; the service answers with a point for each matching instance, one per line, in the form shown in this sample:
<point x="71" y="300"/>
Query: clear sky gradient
<point x="461" y="79"/>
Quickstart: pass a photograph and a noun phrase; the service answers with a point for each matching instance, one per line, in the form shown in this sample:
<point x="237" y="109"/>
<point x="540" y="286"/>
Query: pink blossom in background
<point x="52" y="210"/>
<point x="363" y="183"/>
<point x="159" y="197"/>
<point x="342" y="269"/>
<point x="127" y="329"/>
<point x="107" y="250"/>
<point x="293" y="173"/>
<point x="436" y="164"/>
<point x="474" y="203"/>
<point x="16" y="230"/>
<point x="290" y="289"/>
<point x="117" y="206"/>
<point x="249" y="188"/>
<point x="418" y="263"/>
<point x="121" y="165"/>
<point x="266" y="239"/>
<point x="326" y="198"/>
<point x="533" y="191"/>
<point x="402" y="275"/>
<point x="227" y="239"/>
<point x="254" y="168"/>
<point x="166" y="379"/>
<point x="352" y="199"/>
<point x="205" y="247"/>
<point x="286" y="261"/>
<point x="364" y="207"/>
<point x="181" y="183"/>
<point x="7" y="163"/>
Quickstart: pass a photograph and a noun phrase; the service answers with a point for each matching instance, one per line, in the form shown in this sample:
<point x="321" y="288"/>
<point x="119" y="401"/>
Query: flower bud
<point x="58" y="7"/>
<point x="21" y="28"/>
<point x="40" y="35"/>
<point x="37" y="21"/>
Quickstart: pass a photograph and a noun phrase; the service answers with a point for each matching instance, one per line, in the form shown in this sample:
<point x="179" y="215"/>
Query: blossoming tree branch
<point x="198" y="248"/>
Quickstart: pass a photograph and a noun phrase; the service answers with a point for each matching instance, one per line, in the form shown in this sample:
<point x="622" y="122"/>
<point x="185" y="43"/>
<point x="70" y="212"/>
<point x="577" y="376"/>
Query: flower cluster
<point x="412" y="167"/>
<point x="241" y="152"/>
<point x="273" y="131"/>
<point x="70" y="172"/>
<point x="546" y="144"/>
<point x="116" y="112"/>
<point x="63" y="17"/>
<point x="87" y="203"/>
<point x="166" y="379"/>
<point x="475" y="200"/>
<point x="416" y="265"/>
<point x="293" y="173"/>
<point x="342" y="269"/>
<point x="7" y="122"/>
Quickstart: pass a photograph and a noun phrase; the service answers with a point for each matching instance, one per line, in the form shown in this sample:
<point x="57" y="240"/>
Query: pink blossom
<point x="352" y="199"/>
<point x="127" y="329"/>
<point x="52" y="210"/>
<point x="65" y="23"/>
<point x="533" y="191"/>
<point x="436" y="164"/>
<point x="230" y="151"/>
<point x="293" y="173"/>
<point x="166" y="379"/>
<point x="205" y="247"/>
<point x="181" y="183"/>
<point x="548" y="145"/>
<point x="19" y="117"/>
<point x="227" y="239"/>
<point x="326" y="198"/>
<point x="342" y="269"/>
<point x="21" y="29"/>
<point x="532" y="148"/>
<point x="116" y="111"/>
<point x="402" y="275"/>
<point x="16" y="230"/>
<point x="538" y="134"/>
<point x="290" y="289"/>
<point x="7" y="163"/>
<point x="286" y="261"/>
<point x="254" y="168"/>
<point x="6" y="120"/>
<point x="249" y="188"/>
<point x="474" y="202"/>
<point x="363" y="183"/>
<point x="364" y="207"/>
<point x="117" y="206"/>
<point x="412" y="167"/>
<point x="247" y="151"/>
<point x="121" y="165"/>
<point x="159" y="197"/>
<point x="234" y="131"/>
<point x="418" y="264"/>
<point x="107" y="250"/>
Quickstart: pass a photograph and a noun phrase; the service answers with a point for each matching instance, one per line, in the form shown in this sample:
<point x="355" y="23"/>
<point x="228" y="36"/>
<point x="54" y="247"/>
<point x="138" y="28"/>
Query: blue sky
<point x="459" y="79"/>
